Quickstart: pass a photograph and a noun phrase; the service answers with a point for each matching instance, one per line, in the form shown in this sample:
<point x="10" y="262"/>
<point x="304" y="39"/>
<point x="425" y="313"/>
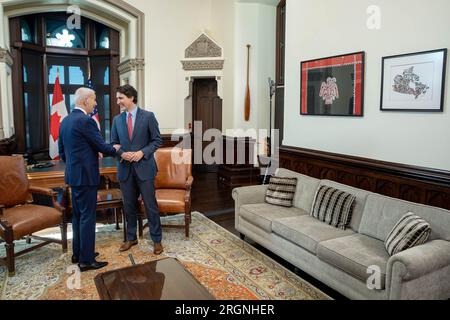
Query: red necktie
<point x="130" y="125"/>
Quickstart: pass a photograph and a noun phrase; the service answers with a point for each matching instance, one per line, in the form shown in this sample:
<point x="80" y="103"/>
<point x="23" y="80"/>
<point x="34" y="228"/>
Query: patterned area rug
<point x="227" y="266"/>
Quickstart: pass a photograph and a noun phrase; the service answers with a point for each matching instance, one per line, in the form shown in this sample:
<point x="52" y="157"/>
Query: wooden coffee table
<point x="164" y="279"/>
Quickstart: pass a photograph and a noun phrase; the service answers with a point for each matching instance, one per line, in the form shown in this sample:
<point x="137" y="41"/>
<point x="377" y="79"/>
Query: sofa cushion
<point x="262" y="214"/>
<point x="381" y="213"/>
<point x="306" y="188"/>
<point x="306" y="231"/>
<point x="281" y="191"/>
<point x="354" y="255"/>
<point x="333" y="206"/>
<point x="361" y="196"/>
<point x="409" y="231"/>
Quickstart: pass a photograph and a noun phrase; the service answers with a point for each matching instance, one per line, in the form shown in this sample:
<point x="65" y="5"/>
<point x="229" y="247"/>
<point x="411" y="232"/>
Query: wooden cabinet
<point x="238" y="162"/>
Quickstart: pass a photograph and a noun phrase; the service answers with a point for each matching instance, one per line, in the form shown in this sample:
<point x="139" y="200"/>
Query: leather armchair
<point x="173" y="185"/>
<point x="19" y="217"/>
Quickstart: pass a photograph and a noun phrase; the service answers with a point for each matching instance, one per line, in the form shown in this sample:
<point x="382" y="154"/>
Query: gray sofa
<point x="344" y="260"/>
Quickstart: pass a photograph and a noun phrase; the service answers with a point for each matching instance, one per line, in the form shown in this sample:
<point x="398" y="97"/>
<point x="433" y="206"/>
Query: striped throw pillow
<point x="333" y="206"/>
<point x="411" y="230"/>
<point x="281" y="191"/>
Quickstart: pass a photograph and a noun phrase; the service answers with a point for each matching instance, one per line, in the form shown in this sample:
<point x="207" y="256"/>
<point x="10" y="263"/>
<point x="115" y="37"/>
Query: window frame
<point x="42" y="51"/>
<point x="280" y="42"/>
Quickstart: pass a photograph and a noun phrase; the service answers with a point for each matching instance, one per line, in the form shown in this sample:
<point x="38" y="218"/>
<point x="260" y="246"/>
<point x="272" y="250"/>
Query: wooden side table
<point x="111" y="199"/>
<point x="106" y="199"/>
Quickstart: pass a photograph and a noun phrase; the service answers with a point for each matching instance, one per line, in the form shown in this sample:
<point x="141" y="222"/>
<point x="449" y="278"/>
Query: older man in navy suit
<point x="137" y="131"/>
<point x="80" y="143"/>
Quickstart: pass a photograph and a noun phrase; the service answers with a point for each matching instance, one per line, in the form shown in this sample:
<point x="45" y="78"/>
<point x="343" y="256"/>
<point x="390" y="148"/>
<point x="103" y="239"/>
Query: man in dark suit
<point x="80" y="143"/>
<point x="137" y="131"/>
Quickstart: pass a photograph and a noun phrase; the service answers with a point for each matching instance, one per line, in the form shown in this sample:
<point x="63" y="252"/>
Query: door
<point x="207" y="109"/>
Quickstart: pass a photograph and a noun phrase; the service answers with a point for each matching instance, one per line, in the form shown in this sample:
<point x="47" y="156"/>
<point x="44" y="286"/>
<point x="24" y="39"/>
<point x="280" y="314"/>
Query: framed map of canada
<point x="333" y="86"/>
<point x="414" y="81"/>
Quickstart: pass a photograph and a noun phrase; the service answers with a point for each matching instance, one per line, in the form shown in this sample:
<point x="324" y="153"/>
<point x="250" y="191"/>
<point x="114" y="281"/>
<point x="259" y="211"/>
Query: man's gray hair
<point x="81" y="95"/>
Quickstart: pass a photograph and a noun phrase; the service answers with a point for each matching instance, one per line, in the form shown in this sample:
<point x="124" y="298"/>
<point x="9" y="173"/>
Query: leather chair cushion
<point x="170" y="200"/>
<point x="29" y="218"/>
<point x="172" y="175"/>
<point x="13" y="181"/>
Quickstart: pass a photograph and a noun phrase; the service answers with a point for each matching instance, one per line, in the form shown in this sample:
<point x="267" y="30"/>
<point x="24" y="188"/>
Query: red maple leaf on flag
<point x="58" y="112"/>
<point x="54" y="125"/>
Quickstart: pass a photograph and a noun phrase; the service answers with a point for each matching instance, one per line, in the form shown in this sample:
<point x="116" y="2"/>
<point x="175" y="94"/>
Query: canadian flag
<point x="57" y="114"/>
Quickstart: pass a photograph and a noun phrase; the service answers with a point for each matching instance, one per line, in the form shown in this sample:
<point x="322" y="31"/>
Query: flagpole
<point x="89" y="67"/>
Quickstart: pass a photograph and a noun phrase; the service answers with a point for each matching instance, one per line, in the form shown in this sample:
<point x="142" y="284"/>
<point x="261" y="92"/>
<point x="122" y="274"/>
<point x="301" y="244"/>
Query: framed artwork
<point x="333" y="86"/>
<point x="414" y="81"/>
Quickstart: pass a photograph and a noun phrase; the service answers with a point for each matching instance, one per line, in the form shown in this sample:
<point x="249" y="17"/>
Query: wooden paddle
<point x="247" y="94"/>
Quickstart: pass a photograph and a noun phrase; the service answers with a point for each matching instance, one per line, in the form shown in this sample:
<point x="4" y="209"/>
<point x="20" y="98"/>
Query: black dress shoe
<point x="76" y="260"/>
<point x="93" y="266"/>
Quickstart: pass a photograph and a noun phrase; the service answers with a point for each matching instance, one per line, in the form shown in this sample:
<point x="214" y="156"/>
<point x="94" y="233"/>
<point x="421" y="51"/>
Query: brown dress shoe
<point x="127" y="245"/>
<point x="157" y="248"/>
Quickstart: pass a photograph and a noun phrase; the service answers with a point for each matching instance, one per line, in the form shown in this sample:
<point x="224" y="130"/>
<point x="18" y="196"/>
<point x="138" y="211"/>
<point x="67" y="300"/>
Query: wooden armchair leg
<point x="116" y="217"/>
<point x="186" y="228"/>
<point x="63" y="228"/>
<point x="187" y="222"/>
<point x="140" y="226"/>
<point x="10" y="258"/>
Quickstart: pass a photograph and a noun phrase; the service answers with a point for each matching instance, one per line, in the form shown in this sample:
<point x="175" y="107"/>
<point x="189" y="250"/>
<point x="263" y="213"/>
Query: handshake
<point x="130" y="156"/>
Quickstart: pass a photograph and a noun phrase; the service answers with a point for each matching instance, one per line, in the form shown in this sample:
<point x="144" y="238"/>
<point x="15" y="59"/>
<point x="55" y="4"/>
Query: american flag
<point x="94" y="113"/>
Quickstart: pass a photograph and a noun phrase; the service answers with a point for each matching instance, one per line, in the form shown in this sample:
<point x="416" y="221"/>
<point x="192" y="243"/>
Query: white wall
<point x="255" y="25"/>
<point x="222" y="30"/>
<point x="325" y="28"/>
<point x="170" y="27"/>
<point x="266" y="61"/>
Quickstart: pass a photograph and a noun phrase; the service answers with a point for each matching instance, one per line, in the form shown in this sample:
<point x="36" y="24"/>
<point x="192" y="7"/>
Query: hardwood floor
<point x="209" y="196"/>
<point x="214" y="200"/>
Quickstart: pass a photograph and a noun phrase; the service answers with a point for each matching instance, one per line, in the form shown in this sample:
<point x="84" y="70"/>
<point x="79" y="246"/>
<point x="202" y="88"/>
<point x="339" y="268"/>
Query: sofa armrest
<point x="429" y="262"/>
<point x="249" y="195"/>
<point x="420" y="260"/>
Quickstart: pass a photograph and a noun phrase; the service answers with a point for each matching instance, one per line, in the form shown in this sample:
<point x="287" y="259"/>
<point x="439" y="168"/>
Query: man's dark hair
<point x="129" y="91"/>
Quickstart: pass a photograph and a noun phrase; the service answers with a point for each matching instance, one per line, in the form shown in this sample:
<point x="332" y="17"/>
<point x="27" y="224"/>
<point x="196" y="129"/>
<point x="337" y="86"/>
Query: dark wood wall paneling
<point x="411" y="183"/>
